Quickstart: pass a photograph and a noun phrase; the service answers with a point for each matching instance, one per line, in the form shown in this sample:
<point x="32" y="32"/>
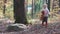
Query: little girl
<point x="45" y="14"/>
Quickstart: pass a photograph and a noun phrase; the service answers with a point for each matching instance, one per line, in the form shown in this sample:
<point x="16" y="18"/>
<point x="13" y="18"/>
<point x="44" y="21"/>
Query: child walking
<point x="45" y="14"/>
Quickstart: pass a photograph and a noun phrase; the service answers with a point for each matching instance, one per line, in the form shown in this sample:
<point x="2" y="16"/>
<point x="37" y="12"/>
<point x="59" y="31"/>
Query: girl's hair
<point x="45" y="5"/>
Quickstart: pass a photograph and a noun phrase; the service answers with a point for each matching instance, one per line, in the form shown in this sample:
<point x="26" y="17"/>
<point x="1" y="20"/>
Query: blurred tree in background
<point x="6" y="7"/>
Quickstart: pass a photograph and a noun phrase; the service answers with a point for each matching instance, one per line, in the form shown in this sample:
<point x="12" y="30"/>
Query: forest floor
<point x="52" y="28"/>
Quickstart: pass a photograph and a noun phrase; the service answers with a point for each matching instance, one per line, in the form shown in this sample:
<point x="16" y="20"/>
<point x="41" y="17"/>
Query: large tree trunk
<point x="19" y="12"/>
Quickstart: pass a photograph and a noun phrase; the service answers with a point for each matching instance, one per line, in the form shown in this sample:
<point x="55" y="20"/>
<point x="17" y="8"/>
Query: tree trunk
<point x="4" y="9"/>
<point x="59" y="3"/>
<point x="49" y="4"/>
<point x="5" y="1"/>
<point x="19" y="12"/>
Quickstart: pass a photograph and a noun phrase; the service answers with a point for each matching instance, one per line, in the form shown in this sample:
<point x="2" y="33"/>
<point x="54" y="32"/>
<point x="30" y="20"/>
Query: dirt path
<point x="53" y="28"/>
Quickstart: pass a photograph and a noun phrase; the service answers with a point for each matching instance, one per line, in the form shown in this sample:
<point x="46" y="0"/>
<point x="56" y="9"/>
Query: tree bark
<point x="19" y="12"/>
